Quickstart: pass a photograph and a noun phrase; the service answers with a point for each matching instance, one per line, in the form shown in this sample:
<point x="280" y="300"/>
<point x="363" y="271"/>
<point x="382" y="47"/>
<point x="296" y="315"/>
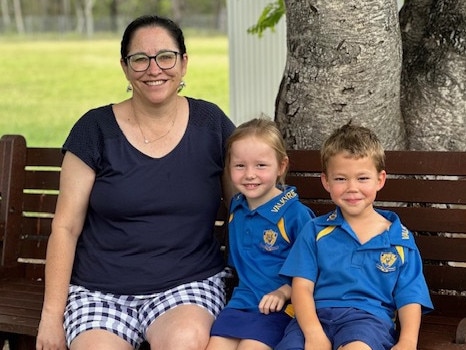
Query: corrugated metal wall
<point x="255" y="64"/>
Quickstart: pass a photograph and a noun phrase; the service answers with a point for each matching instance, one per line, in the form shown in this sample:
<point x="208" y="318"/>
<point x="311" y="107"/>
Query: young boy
<point x="357" y="268"/>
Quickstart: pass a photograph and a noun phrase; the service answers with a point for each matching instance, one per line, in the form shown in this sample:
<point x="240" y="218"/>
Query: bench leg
<point x="21" y="342"/>
<point x="461" y="332"/>
<point x="3" y="339"/>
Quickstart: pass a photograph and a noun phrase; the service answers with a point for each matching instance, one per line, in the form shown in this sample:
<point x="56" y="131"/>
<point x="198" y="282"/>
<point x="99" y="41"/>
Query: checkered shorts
<point x="129" y="316"/>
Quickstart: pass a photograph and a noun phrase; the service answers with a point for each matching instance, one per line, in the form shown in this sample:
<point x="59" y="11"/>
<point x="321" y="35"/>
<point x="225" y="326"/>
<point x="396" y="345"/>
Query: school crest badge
<point x="269" y="238"/>
<point x="387" y="260"/>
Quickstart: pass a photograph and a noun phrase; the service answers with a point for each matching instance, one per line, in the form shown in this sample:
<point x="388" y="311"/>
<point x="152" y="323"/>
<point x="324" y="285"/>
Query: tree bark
<point x="433" y="88"/>
<point x="343" y="63"/>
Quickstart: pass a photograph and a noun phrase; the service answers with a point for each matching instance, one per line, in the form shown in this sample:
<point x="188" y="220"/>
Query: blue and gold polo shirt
<point x="259" y="242"/>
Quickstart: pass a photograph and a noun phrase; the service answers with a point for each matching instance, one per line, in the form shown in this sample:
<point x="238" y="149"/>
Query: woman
<point x="130" y="257"/>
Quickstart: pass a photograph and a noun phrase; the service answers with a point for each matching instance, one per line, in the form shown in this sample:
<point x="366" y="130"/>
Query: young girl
<point x="265" y="218"/>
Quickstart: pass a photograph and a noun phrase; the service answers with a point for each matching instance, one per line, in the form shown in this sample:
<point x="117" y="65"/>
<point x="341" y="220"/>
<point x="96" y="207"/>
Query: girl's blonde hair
<point x="267" y="131"/>
<point x="357" y="141"/>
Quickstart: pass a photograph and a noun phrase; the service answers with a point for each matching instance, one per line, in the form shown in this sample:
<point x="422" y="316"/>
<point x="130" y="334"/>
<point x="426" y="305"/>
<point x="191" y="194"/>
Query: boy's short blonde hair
<point x="265" y="130"/>
<point x="357" y="142"/>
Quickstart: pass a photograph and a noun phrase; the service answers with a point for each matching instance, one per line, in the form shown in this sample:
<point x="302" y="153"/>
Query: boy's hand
<point x="405" y="344"/>
<point x="317" y="341"/>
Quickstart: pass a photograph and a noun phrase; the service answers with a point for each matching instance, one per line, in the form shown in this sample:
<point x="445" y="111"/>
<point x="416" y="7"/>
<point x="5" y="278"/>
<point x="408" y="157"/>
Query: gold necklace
<point x="146" y="140"/>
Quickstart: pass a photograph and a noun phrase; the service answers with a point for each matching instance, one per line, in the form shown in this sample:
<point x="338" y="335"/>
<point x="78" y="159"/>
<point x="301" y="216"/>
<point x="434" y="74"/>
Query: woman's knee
<point x="186" y="327"/>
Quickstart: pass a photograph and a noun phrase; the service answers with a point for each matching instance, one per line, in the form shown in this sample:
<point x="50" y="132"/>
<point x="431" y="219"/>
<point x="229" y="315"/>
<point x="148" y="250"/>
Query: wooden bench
<point x="29" y="179"/>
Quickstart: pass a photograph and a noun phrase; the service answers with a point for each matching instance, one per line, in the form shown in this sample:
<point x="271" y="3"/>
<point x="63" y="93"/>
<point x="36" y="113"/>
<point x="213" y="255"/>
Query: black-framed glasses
<point x="139" y="62"/>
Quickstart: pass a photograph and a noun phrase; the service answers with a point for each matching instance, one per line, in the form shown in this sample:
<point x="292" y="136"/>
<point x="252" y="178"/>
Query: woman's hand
<point x="51" y="335"/>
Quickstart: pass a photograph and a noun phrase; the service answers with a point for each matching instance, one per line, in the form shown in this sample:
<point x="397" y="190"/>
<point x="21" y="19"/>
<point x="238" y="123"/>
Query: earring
<point x="181" y="86"/>
<point x="129" y="87"/>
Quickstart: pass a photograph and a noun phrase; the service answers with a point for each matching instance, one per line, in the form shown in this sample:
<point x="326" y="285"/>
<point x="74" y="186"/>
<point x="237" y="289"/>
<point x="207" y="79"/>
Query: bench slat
<point x="33" y="249"/>
<point x="421" y="219"/>
<point x="438" y="337"/>
<point x="423" y="191"/>
<point x="438" y="333"/>
<point x="397" y="162"/>
<point x="44" y="180"/>
<point x="20" y="325"/>
<point x="442" y="248"/>
<point x="395" y="190"/>
<point x="36" y="226"/>
<point x="44" y="156"/>
<point x="445" y="277"/>
<point x="20" y="306"/>
<point x="39" y="202"/>
<point x="416" y="163"/>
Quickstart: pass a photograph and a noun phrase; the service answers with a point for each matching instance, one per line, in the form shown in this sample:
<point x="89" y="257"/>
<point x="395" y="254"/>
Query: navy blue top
<point x="149" y="225"/>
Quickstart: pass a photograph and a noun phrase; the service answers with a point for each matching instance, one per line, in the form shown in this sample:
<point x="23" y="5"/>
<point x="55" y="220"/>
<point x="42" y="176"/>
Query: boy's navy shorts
<point x="343" y="326"/>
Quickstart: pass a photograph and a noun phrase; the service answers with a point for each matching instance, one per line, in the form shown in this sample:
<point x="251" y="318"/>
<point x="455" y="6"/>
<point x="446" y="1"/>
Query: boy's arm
<point x="410" y="322"/>
<point x="302" y="297"/>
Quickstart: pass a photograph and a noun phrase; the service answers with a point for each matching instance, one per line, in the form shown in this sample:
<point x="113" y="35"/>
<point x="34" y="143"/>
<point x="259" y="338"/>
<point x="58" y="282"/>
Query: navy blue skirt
<point x="240" y="324"/>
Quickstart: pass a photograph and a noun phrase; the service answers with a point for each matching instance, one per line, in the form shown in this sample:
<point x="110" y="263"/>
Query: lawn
<point x="47" y="85"/>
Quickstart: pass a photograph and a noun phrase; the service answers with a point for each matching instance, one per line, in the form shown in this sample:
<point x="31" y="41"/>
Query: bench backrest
<point x="33" y="184"/>
<point x="426" y="189"/>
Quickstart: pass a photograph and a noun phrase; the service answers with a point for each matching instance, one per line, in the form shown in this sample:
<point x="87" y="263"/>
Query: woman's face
<point x="154" y="85"/>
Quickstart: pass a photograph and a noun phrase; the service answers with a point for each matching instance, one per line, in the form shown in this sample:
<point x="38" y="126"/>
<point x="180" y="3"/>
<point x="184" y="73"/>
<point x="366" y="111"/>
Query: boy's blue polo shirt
<point x="379" y="276"/>
<point x="259" y="242"/>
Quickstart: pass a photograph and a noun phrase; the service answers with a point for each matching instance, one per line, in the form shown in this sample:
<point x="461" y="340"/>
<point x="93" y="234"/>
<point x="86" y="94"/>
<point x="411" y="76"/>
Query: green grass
<point x="46" y="85"/>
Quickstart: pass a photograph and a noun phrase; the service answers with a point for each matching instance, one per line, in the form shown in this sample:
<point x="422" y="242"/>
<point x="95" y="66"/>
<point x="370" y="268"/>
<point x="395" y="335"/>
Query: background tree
<point x="177" y="10"/>
<point x="344" y="62"/>
<point x="87" y="16"/>
<point x="433" y="98"/>
<point x="19" y="16"/>
<point x="5" y="13"/>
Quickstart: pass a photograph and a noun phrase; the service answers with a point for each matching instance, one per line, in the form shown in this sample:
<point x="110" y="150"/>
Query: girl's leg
<point x="221" y="343"/>
<point x="355" y="345"/>
<point x="250" y="344"/>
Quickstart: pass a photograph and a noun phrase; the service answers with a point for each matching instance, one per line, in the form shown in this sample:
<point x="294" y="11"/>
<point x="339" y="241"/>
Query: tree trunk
<point x="5" y="14"/>
<point x="344" y="62"/>
<point x="219" y="12"/>
<point x="66" y="10"/>
<point x="88" y="14"/>
<point x="19" y="17"/>
<point x="79" y="17"/>
<point x="177" y="10"/>
<point x="114" y="16"/>
<point x="433" y="91"/>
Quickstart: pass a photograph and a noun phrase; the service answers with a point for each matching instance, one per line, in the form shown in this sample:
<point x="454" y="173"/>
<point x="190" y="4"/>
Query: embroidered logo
<point x="387" y="260"/>
<point x="283" y="200"/>
<point x="269" y="237"/>
<point x="404" y="233"/>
